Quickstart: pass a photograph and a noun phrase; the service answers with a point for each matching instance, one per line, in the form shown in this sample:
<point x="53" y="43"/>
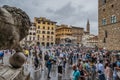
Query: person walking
<point x="46" y="57"/>
<point x="1" y="56"/>
<point x="75" y="73"/>
<point x="108" y="72"/>
<point x="83" y="72"/>
<point x="100" y="70"/>
<point x="36" y="61"/>
<point x="49" y="65"/>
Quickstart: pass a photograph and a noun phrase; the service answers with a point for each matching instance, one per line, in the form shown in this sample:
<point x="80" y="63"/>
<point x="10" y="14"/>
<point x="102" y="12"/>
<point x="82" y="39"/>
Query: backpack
<point x="1" y="54"/>
<point x="81" y="72"/>
<point x="46" y="57"/>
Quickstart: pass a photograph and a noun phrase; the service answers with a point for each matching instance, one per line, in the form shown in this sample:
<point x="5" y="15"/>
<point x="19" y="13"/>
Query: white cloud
<point x="71" y="12"/>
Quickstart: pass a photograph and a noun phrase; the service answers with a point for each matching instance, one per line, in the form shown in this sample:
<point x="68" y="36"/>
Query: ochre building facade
<point x="62" y="32"/>
<point x="70" y="34"/>
<point x="45" y="31"/>
<point x="109" y="24"/>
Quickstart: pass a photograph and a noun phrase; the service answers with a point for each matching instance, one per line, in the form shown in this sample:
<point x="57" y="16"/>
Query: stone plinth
<point x="8" y="73"/>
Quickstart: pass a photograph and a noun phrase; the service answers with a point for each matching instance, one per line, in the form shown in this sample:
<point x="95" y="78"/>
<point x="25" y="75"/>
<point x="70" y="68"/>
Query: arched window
<point x="52" y="32"/>
<point x="43" y="32"/>
<point x="51" y="43"/>
<point x="34" y="33"/>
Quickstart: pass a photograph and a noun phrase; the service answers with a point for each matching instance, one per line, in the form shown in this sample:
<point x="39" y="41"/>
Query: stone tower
<point x="109" y="24"/>
<point x="88" y="27"/>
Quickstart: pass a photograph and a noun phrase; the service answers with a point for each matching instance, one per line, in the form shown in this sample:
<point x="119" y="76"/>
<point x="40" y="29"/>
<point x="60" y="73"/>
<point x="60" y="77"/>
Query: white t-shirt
<point x="100" y="67"/>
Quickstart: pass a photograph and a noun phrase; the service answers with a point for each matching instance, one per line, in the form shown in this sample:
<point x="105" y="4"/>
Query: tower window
<point x="113" y="19"/>
<point x="106" y="34"/>
<point x="104" y="21"/>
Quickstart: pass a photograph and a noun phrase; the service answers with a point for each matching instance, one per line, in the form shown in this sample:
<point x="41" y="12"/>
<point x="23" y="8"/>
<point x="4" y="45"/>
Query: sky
<point x="69" y="12"/>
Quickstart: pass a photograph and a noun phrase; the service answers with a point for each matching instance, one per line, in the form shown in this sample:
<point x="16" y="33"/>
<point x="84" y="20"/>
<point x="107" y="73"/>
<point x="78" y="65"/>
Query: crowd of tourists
<point x="87" y="63"/>
<point x="5" y="52"/>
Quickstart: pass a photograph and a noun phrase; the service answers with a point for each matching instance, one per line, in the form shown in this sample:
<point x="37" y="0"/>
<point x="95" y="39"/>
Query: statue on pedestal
<point x="14" y="26"/>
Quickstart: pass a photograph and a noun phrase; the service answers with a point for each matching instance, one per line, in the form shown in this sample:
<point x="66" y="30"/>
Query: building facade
<point x="77" y="32"/>
<point x="31" y="37"/>
<point x="45" y="31"/>
<point x="109" y="24"/>
<point x="69" y="34"/>
<point x="63" y="32"/>
<point x="92" y="42"/>
<point x="86" y="39"/>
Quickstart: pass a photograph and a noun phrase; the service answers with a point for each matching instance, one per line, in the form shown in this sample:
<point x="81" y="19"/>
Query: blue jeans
<point x="102" y="77"/>
<point x="49" y="69"/>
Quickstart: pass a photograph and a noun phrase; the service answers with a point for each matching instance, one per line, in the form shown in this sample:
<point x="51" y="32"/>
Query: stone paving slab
<point x="42" y="75"/>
